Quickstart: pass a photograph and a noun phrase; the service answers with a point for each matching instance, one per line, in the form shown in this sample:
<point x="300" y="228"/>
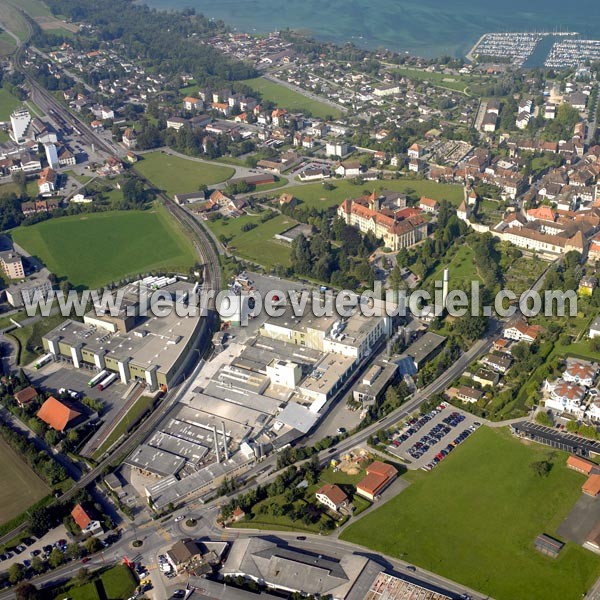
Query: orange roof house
<point x="592" y="486"/>
<point x="86" y="521"/>
<point x="580" y="464"/>
<point x="81" y="517"/>
<point x="57" y="414"/>
<point x="379" y="476"/>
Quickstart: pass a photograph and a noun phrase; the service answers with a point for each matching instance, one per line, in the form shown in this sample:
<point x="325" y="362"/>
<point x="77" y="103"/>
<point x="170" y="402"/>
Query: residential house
<point x="130" y="138"/>
<point x="184" y="555"/>
<point x="86" y="520"/>
<point x="428" y="205"/>
<point x="580" y="372"/>
<point x="47" y="181"/>
<point x="469" y="394"/>
<point x="58" y="414"/>
<point x="25" y="396"/>
<point x="522" y="332"/>
<point x="332" y="496"/>
<point x="191" y="103"/>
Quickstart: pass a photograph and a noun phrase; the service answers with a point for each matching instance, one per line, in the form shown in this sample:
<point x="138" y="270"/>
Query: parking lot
<point x="425" y="441"/>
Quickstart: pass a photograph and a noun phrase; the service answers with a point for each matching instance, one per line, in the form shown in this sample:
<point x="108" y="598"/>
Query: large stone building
<point x="398" y="228"/>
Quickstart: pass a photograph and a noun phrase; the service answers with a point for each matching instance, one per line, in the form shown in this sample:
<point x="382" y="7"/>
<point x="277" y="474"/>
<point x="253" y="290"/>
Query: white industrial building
<point x="19" y="122"/>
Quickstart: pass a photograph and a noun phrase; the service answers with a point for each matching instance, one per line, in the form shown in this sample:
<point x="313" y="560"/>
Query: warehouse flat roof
<point x="157" y="341"/>
<point x="327" y="373"/>
<point x="298" y="417"/>
<point x="243" y="414"/>
<point x="155" y="461"/>
<point x="191" y="451"/>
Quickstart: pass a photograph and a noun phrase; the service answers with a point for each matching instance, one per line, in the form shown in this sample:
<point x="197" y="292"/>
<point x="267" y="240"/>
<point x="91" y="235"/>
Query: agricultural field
<point x="12" y="19"/>
<point x="7" y="44"/>
<point x="475" y="517"/>
<point x="176" y="175"/>
<point x="315" y="195"/>
<point x="91" y="250"/>
<point x="8" y="102"/>
<point x="257" y="245"/>
<point x="20" y="487"/>
<point x="285" y="97"/>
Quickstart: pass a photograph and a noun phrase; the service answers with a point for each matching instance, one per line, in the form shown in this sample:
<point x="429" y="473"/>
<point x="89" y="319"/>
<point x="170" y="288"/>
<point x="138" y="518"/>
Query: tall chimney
<point x="445" y="288"/>
<point x="224" y="440"/>
<point x="216" y="444"/>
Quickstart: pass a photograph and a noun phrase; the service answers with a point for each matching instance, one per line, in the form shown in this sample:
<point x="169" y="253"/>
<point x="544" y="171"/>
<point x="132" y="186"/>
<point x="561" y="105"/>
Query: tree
<point x="16" y="573"/>
<point x="37" y="564"/>
<point x="26" y="591"/>
<point x="40" y="521"/>
<point x="541" y="467"/>
<point x="56" y="558"/>
<point x="82" y="577"/>
<point x="92" y="545"/>
<point x="471" y="327"/>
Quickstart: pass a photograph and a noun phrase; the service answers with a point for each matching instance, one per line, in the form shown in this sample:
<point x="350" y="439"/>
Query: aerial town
<point x="223" y="450"/>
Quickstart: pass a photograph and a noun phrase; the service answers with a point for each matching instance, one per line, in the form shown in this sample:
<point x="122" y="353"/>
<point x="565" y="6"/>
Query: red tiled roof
<point x="81" y="517"/>
<point x="334" y="493"/>
<point x="56" y="414"/>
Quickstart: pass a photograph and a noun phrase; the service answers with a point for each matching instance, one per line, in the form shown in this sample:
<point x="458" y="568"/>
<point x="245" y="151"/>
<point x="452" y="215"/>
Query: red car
<point x="85" y="560"/>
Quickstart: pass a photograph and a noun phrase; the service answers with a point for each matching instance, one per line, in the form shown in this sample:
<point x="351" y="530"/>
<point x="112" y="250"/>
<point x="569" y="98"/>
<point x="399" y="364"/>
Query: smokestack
<point x="445" y="287"/>
<point x="216" y="444"/>
<point x="224" y="440"/>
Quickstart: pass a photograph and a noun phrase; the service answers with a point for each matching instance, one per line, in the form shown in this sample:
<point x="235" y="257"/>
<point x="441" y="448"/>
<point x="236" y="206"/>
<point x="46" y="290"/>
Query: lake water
<point x="422" y="27"/>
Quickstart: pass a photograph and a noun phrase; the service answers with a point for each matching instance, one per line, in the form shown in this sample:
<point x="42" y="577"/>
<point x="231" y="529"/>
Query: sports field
<point x="475" y="517"/>
<point x="285" y="97"/>
<point x="257" y="245"/>
<point x="20" y="487"/>
<point x="315" y="195"/>
<point x="94" y="249"/>
<point x="176" y="175"/>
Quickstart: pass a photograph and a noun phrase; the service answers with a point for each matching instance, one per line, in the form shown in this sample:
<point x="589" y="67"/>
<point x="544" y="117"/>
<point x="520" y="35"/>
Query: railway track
<point x="212" y="279"/>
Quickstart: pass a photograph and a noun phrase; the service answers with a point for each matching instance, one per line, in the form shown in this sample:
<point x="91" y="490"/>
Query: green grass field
<point x="314" y="195"/>
<point x="142" y="404"/>
<point x="35" y="8"/>
<point x="7" y="44"/>
<point x="284" y="97"/>
<point x="116" y="583"/>
<point x="12" y="19"/>
<point x="460" y="83"/>
<point x="177" y="175"/>
<point x="20" y="487"/>
<point x="474" y="519"/>
<point x="8" y="103"/>
<point x="462" y="269"/>
<point x="35" y="331"/>
<point x="257" y="245"/>
<point x="91" y="250"/>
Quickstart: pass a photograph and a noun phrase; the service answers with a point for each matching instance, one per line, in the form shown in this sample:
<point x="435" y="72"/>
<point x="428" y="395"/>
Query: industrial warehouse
<point x="150" y="349"/>
<point x="251" y="399"/>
